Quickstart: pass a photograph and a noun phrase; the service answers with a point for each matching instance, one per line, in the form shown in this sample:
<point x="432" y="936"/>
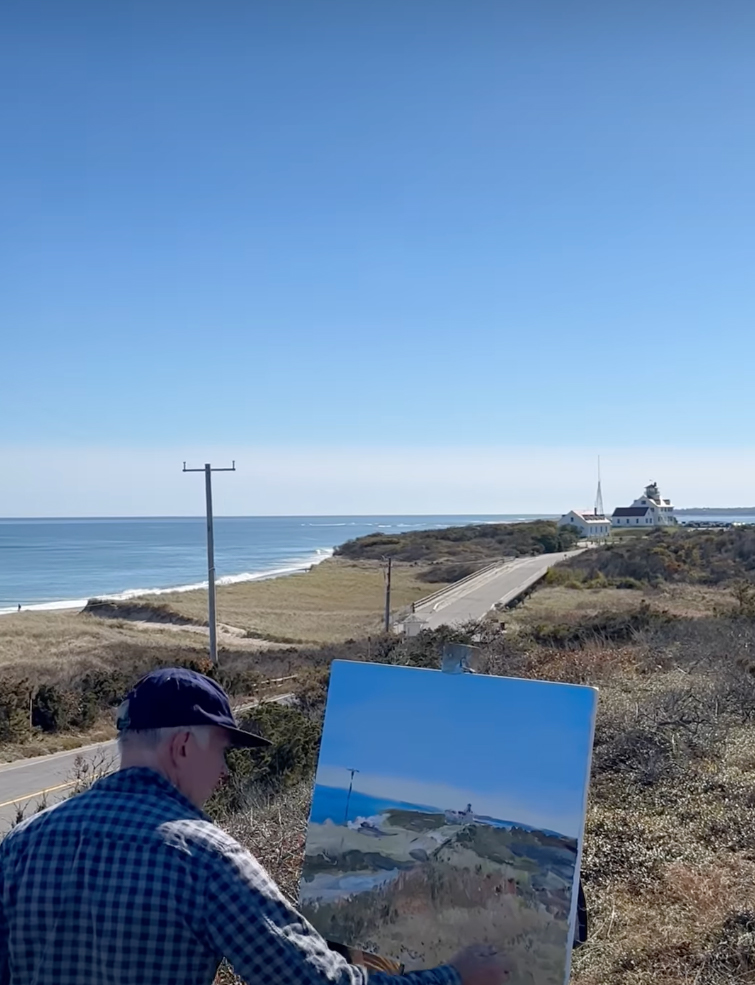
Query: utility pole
<point x="208" y="470"/>
<point x="388" y="597"/>
<point x="348" y="796"/>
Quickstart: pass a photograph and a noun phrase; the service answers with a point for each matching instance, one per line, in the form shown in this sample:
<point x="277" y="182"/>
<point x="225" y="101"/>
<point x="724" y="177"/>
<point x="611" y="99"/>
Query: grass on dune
<point x="44" y="645"/>
<point x="334" y="601"/>
<point x="551" y="602"/>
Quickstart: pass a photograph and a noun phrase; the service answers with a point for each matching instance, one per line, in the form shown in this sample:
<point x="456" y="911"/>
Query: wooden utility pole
<point x="388" y="597"/>
<point x="208" y="470"/>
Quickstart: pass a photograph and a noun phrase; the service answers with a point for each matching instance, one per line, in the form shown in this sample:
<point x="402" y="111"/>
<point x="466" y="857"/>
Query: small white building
<point x="413" y="625"/>
<point x="648" y="510"/>
<point x="592" y="526"/>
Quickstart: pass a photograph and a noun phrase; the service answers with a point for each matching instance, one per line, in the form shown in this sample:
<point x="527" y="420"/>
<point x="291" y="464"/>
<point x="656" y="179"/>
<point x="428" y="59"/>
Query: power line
<point x="208" y="470"/>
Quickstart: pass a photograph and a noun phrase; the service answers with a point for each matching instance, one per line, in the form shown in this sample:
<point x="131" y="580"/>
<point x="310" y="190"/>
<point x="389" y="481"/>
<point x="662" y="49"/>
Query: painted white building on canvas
<point x="648" y="510"/>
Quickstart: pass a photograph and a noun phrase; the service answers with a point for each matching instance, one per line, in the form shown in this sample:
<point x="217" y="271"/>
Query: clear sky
<point x="516" y="750"/>
<point x="326" y="228"/>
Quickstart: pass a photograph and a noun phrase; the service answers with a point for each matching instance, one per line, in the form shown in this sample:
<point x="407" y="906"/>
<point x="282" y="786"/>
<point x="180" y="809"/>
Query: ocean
<point x="60" y="563"/>
<point x="329" y="804"/>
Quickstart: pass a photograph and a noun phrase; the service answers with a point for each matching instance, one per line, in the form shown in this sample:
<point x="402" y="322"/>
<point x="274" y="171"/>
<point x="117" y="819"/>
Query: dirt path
<point x="224" y="631"/>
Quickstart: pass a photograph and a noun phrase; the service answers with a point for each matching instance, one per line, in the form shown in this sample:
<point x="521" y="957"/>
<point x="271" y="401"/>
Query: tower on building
<point x="599" y="511"/>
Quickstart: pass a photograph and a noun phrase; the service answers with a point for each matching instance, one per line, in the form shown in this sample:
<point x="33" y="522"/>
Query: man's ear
<point x="178" y="744"/>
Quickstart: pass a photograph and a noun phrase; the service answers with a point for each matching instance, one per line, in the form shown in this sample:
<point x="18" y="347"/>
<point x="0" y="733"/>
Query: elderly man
<point x="130" y="883"/>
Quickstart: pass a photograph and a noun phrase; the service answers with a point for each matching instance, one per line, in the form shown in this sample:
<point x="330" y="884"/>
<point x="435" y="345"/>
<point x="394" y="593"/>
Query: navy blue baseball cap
<point x="177" y="696"/>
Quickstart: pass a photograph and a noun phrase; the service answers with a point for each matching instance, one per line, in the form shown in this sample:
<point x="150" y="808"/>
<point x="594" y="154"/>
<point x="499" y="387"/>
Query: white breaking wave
<point x="374" y="821"/>
<point x="295" y="568"/>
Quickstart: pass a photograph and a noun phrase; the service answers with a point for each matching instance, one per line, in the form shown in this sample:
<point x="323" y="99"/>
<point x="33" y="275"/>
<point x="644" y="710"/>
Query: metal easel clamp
<point x="456" y="658"/>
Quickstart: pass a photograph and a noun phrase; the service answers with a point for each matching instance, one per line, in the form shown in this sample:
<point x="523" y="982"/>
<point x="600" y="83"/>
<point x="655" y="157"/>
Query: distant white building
<point x="591" y="525"/>
<point x="648" y="510"/>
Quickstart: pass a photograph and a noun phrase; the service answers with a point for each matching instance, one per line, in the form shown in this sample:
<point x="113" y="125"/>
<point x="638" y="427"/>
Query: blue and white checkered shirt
<point x="130" y="884"/>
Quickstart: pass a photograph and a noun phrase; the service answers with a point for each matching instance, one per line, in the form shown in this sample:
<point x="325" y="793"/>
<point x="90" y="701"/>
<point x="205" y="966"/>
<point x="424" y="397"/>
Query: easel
<point x="456" y="658"/>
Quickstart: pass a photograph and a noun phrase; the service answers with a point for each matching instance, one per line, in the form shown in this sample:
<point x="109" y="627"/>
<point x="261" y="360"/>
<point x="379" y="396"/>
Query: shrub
<point x="705" y="557"/>
<point x="449" y="572"/>
<point x="606" y="627"/>
<point x="15" y="697"/>
<point x="54" y="708"/>
<point x="291" y="757"/>
<point x="468" y="543"/>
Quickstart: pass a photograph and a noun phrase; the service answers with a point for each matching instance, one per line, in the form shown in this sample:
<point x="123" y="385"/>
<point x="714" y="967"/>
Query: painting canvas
<point x="448" y="810"/>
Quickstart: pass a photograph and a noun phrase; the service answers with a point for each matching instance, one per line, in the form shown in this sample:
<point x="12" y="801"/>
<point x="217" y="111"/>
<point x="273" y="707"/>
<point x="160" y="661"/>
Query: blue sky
<point x="278" y="228"/>
<point x="515" y="749"/>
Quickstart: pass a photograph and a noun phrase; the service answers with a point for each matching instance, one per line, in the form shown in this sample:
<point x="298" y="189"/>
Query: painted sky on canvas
<point x="517" y="750"/>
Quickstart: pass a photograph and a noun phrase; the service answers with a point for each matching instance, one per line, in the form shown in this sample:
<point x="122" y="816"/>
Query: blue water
<point x="717" y="517"/>
<point x="54" y="563"/>
<point x="329" y="804"/>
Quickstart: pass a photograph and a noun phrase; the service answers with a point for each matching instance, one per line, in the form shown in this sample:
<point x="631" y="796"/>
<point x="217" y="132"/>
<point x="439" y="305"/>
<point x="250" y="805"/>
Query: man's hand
<point x="481" y="964"/>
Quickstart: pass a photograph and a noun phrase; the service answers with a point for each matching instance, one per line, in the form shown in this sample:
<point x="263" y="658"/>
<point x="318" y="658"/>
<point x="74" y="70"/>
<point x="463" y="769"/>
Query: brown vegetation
<point x="62" y="673"/>
<point x="669" y="853"/>
<point x="143" y="610"/>
<point x="704" y="557"/>
<point x="336" y="600"/>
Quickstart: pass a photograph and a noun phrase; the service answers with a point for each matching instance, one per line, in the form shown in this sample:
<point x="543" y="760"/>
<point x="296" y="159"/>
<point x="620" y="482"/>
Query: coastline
<point x="298" y="555"/>
<point x="63" y="605"/>
<point x="51" y="564"/>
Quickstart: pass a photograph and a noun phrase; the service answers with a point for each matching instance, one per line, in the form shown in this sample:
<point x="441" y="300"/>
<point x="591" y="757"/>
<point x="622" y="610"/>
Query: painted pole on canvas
<point x="348" y="796"/>
<point x="208" y="470"/>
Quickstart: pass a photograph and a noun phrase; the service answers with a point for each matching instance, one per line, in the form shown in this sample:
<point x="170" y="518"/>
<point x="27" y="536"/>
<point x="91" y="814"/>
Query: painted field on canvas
<point x="448" y="810"/>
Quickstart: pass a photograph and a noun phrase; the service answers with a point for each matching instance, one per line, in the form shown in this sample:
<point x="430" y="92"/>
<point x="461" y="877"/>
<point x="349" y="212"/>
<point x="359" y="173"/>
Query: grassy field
<point x="336" y="600"/>
<point x="46" y="645"/>
<point x="557" y="602"/>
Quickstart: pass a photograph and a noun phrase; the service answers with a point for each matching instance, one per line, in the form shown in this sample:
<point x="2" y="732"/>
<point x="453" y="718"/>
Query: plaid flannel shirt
<point x="130" y="884"/>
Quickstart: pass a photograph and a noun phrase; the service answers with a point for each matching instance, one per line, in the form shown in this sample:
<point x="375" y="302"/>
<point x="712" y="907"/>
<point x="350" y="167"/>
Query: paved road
<point x="47" y="779"/>
<point x="473" y="600"/>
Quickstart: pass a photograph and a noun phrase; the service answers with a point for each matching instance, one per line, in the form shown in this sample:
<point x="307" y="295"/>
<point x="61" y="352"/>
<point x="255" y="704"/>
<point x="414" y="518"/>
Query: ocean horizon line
<point x="262" y="516"/>
<point x="200" y="517"/>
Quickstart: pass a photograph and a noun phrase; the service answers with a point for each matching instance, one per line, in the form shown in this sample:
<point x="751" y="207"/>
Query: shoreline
<point x="63" y="605"/>
<point x="58" y="564"/>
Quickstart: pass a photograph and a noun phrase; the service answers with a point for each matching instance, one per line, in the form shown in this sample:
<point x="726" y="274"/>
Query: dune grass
<point x="558" y="602"/>
<point x="46" y="645"/>
<point x="334" y="601"/>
